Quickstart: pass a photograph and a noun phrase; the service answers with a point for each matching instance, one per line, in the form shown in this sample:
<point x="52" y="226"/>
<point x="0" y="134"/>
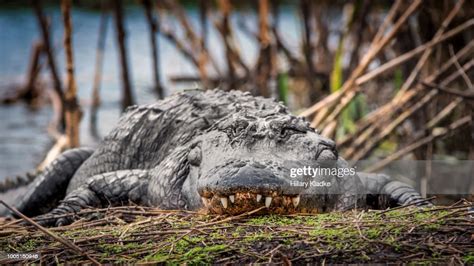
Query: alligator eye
<point x="195" y="156"/>
<point x="238" y="128"/>
<point x="283" y="133"/>
<point x="236" y="131"/>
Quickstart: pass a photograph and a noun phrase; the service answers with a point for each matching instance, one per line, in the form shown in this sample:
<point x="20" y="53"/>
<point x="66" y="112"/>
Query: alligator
<point x="216" y="151"/>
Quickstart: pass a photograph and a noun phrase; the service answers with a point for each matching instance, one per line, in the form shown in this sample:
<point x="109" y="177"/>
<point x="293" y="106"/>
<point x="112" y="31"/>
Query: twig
<point x="420" y="142"/>
<point x="372" y="121"/>
<point x="376" y="47"/>
<point x="408" y="205"/>
<point x="72" y="113"/>
<point x="463" y="94"/>
<point x="232" y="218"/>
<point x="127" y="95"/>
<point x="104" y="18"/>
<point x="410" y="54"/>
<point x="411" y="78"/>
<point x="356" y="152"/>
<point x="64" y="241"/>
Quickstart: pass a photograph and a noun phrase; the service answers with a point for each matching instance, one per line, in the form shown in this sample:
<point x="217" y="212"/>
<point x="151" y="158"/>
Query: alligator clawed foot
<point x="48" y="220"/>
<point x="63" y="221"/>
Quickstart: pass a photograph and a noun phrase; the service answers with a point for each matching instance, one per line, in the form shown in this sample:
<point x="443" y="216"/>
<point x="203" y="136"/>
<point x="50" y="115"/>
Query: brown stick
<point x="376" y="117"/>
<point x="127" y="96"/>
<point x="469" y="95"/>
<point x="202" y="56"/>
<point x="324" y="55"/>
<point x="58" y="94"/>
<point x="387" y="129"/>
<point x="153" y="29"/>
<point x="308" y="49"/>
<point x="471" y="146"/>
<point x="411" y="78"/>
<point x="409" y="55"/>
<point x="390" y="15"/>
<point x="224" y="29"/>
<point x="104" y="18"/>
<point x="448" y="109"/>
<point x="408" y="205"/>
<point x="203" y="12"/>
<point x="62" y="240"/>
<point x="73" y="112"/>
<point x="265" y="69"/>
<point x="376" y="47"/>
<point x="30" y="92"/>
<point x="467" y="80"/>
<point x="396" y="105"/>
<point x="436" y="134"/>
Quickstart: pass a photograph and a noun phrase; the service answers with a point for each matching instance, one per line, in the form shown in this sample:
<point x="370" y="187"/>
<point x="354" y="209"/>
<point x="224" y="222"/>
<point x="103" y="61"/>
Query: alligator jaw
<point x="242" y="202"/>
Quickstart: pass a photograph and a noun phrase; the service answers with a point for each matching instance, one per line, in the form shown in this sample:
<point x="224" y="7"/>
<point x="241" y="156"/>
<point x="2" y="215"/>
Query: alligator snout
<point x="247" y="188"/>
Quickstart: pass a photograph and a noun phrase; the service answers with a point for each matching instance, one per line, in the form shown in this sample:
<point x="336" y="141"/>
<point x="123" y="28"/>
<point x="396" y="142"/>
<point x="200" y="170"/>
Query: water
<point x="23" y="135"/>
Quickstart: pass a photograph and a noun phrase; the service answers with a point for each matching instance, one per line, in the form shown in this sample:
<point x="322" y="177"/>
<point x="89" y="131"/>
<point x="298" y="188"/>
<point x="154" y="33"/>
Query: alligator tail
<point x="15" y="182"/>
<point x="404" y="194"/>
<point x="49" y="187"/>
<point x="382" y="192"/>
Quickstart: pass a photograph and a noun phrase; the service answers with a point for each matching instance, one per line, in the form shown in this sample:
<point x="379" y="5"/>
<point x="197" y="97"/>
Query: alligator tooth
<point x="259" y="197"/>
<point x="295" y="200"/>
<point x="205" y="200"/>
<point x="268" y="201"/>
<point x="232" y="198"/>
<point x="224" y="202"/>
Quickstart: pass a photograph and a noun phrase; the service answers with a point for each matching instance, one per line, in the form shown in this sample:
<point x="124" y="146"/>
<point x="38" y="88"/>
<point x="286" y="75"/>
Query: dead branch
<point x="153" y="30"/>
<point x="436" y="133"/>
<point x="388" y="19"/>
<point x="378" y="116"/>
<point x="57" y="94"/>
<point x="127" y="95"/>
<point x="306" y="7"/>
<point x="233" y="57"/>
<point x="227" y="36"/>
<point x="323" y="106"/>
<point x="73" y="113"/>
<point x="339" y="108"/>
<point x="29" y="91"/>
<point x="469" y="95"/>
<point x="421" y="62"/>
<point x="62" y="240"/>
<point x="467" y="80"/>
<point x="266" y="64"/>
<point x="196" y="42"/>
<point x="102" y="35"/>
<point x="409" y="55"/>
<point x="358" y="153"/>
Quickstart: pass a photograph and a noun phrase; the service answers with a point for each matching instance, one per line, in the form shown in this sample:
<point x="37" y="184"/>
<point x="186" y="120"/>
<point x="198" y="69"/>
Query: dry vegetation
<point x="139" y="234"/>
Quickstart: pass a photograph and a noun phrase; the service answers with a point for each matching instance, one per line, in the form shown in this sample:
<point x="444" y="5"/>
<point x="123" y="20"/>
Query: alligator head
<point x="245" y="161"/>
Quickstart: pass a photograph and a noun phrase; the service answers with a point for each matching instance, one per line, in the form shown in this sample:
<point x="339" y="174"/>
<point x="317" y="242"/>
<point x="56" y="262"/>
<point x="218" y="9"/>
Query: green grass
<point x="178" y="238"/>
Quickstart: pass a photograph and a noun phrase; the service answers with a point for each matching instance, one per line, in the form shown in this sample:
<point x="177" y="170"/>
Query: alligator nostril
<point x="327" y="155"/>
<point x="329" y="143"/>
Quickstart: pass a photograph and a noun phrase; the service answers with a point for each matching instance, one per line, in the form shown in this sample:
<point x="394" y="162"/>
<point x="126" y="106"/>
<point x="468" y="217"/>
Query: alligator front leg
<point x="383" y="192"/>
<point x="109" y="189"/>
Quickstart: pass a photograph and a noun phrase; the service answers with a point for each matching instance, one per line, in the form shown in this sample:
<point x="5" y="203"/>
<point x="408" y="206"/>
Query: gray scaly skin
<point x="227" y="152"/>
